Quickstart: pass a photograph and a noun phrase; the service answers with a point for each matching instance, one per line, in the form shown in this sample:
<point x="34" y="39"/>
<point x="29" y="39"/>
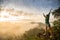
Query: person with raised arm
<point x="47" y="22"/>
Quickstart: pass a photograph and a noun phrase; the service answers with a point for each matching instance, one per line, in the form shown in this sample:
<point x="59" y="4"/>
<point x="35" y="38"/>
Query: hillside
<point x="11" y="29"/>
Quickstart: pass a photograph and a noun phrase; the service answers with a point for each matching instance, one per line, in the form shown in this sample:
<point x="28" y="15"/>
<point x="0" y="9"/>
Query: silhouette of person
<point x="47" y="22"/>
<point x="47" y="19"/>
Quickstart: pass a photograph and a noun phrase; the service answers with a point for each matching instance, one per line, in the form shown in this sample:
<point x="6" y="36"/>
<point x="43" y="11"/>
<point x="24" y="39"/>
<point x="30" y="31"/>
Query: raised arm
<point x="50" y="11"/>
<point x="44" y="15"/>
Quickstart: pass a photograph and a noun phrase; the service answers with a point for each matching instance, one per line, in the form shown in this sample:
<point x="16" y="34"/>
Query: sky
<point x="31" y="6"/>
<point x="34" y="6"/>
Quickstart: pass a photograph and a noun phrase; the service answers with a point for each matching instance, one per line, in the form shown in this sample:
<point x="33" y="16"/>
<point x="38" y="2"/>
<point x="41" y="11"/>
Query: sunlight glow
<point x="4" y="13"/>
<point x="6" y="16"/>
<point x="15" y="16"/>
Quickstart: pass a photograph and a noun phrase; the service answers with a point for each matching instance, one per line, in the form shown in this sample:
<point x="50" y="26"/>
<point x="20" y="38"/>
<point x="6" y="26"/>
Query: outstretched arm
<point x="50" y="11"/>
<point x="44" y="15"/>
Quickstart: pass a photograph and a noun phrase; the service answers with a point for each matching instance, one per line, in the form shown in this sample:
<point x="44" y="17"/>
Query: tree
<point x="56" y="29"/>
<point x="56" y="13"/>
<point x="56" y="24"/>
